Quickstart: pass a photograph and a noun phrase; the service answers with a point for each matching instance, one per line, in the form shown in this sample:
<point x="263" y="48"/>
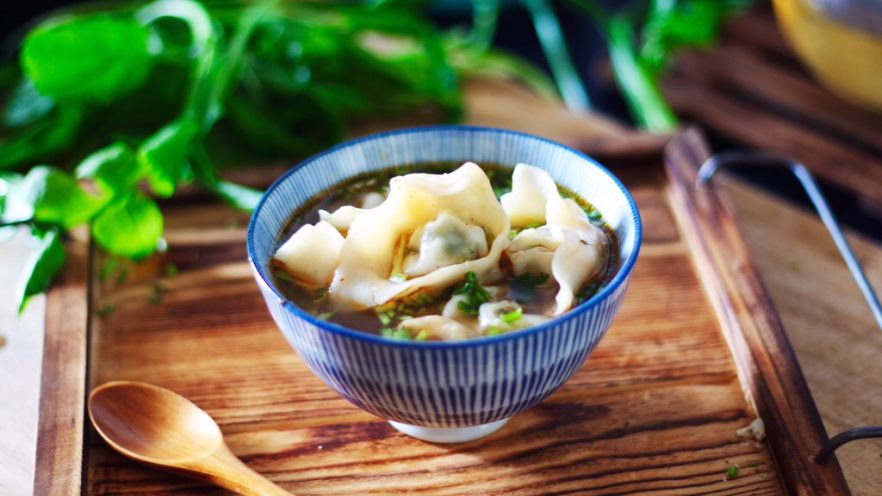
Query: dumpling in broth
<point x="568" y="247"/>
<point x="447" y="240"/>
<point x="311" y="254"/>
<point x="416" y="202"/>
<point x="530" y="189"/>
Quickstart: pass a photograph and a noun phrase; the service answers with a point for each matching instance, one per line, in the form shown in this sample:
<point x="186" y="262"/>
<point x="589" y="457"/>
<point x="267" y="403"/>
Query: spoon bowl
<point x="163" y="429"/>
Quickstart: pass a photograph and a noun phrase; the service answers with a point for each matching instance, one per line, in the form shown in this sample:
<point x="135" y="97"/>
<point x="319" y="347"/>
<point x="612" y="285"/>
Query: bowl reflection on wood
<point x="445" y="391"/>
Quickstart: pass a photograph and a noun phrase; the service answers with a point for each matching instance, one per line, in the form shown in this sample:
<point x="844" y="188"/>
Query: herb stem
<point x="554" y="46"/>
<point x="485" y="14"/>
<point x="640" y="90"/>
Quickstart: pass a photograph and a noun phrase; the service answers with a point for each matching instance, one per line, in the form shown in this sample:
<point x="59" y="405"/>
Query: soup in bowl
<point x="445" y="278"/>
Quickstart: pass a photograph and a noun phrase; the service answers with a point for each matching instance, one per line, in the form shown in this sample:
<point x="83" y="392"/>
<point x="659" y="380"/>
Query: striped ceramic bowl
<point x="445" y="391"/>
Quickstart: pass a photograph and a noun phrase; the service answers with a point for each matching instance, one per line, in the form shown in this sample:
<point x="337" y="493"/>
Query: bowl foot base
<point x="449" y="434"/>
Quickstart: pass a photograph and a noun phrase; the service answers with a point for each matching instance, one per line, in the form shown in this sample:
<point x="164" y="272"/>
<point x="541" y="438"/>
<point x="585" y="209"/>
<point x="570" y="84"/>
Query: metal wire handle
<point x="738" y="158"/>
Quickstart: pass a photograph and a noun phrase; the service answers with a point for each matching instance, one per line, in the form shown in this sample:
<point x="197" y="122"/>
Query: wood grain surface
<point x="753" y="91"/>
<point x="60" y="429"/>
<point x="766" y="362"/>
<point x="655" y="408"/>
<point x="828" y="323"/>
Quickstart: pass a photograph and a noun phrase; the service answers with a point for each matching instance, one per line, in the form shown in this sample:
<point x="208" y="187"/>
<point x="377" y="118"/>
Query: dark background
<point x="515" y="33"/>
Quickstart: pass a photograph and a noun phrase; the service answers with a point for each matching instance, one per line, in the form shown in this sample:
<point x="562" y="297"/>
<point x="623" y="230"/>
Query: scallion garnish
<point x="513" y="316"/>
<point x="475" y="294"/>
<point x="732" y="472"/>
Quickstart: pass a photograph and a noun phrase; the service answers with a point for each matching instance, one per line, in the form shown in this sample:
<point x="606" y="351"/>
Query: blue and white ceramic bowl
<point x="445" y="391"/>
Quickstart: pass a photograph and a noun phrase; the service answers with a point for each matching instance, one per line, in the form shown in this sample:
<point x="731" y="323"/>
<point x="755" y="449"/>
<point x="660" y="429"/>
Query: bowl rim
<point x="619" y="279"/>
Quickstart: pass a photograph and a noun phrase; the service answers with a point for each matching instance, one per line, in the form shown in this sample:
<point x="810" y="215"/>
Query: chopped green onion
<point x="325" y="315"/>
<point x="422" y="335"/>
<point x="320" y="296"/>
<point x="170" y="270"/>
<point x="157" y="294"/>
<point x="279" y="274"/>
<point x="513" y="316"/>
<point x="387" y="332"/>
<point x="401" y="334"/>
<point x="494" y="331"/>
<point x="385" y="317"/>
<point x="398" y="277"/>
<point x="475" y="294"/>
<point x="106" y="310"/>
<point x="732" y="472"/>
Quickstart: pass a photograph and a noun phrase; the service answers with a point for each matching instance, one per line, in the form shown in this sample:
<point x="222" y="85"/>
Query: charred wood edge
<point x="742" y="158"/>
<point x="767" y="366"/>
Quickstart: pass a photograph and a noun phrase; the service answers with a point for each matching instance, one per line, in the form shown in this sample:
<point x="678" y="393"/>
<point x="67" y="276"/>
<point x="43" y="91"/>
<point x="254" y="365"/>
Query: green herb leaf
<point x="45" y="261"/>
<point x="97" y="57"/>
<point x="26" y="105"/>
<point x="15" y="204"/>
<point x="130" y="226"/>
<point x="115" y="168"/>
<point x="57" y="198"/>
<point x="42" y="139"/>
<point x="164" y="155"/>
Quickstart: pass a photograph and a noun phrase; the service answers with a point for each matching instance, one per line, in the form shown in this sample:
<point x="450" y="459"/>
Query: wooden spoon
<point x="161" y="428"/>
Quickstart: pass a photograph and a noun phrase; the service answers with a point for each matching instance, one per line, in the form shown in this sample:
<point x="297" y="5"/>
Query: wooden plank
<point x="63" y="388"/>
<point x="767" y="365"/>
<point x="212" y="340"/>
<point x="734" y="69"/>
<point x="828" y="323"/>
<point x="756" y="29"/>
<point x="854" y="169"/>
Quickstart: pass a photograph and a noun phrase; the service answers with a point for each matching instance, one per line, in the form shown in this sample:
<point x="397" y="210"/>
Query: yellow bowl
<point x="846" y="59"/>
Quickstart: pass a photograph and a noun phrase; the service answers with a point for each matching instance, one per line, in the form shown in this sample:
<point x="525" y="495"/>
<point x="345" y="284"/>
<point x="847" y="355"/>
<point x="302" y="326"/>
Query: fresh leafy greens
<point x="643" y="40"/>
<point x="45" y="261"/>
<point x="151" y="97"/>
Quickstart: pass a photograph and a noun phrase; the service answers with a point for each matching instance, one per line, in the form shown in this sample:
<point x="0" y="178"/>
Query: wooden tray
<point x="696" y="353"/>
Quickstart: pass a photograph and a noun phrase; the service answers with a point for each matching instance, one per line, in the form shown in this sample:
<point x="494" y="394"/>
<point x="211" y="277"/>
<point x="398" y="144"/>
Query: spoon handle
<point x="227" y="471"/>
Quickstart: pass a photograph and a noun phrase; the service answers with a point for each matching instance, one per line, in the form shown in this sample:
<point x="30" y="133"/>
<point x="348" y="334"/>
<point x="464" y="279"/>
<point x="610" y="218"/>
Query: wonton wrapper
<point x="569" y="247"/>
<point x="362" y="279"/>
<point x="311" y="254"/>
<point x="439" y="327"/>
<point x="531" y="187"/>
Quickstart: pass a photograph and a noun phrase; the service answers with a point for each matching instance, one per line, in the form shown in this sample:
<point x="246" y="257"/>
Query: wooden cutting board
<point x="696" y="353"/>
